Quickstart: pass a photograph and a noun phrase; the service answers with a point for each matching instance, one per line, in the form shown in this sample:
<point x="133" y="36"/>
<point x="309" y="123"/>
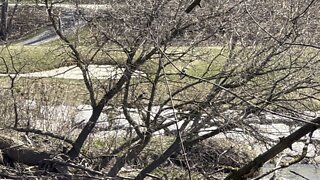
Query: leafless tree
<point x="219" y="69"/>
<point x="262" y="69"/>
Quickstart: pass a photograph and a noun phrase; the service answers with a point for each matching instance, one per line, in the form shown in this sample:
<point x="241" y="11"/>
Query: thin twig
<point x="293" y="172"/>
<point x="50" y="134"/>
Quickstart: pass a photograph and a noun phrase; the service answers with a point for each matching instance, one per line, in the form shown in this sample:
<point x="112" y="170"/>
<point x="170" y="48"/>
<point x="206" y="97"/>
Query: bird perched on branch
<point x="140" y="97"/>
<point x="193" y="5"/>
<point x="183" y="73"/>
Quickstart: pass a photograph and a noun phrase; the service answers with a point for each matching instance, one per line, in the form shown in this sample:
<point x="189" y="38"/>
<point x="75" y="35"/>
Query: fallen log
<point x="17" y="151"/>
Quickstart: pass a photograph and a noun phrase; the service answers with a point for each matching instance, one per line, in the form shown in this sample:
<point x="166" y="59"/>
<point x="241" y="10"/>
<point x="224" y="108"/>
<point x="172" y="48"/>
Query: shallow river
<point x="308" y="171"/>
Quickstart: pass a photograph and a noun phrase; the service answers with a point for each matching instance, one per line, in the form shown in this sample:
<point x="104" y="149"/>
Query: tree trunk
<point x="77" y="145"/>
<point x="4" y="24"/>
<point x="175" y="147"/>
<point x="133" y="153"/>
<point x="96" y="111"/>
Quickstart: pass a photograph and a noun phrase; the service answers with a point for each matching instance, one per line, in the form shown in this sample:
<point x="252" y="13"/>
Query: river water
<point x="311" y="172"/>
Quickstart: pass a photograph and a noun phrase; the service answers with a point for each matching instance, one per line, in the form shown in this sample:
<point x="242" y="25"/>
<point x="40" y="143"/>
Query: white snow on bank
<point x="65" y="118"/>
<point x="84" y="113"/>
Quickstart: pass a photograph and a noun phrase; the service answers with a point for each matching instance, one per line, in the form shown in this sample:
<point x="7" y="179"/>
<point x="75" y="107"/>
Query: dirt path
<point x="69" y="23"/>
<point x="73" y="72"/>
<point x="44" y="37"/>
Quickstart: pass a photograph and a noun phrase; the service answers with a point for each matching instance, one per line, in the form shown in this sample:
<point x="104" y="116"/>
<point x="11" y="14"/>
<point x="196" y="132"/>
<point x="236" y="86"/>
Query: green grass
<point x="53" y="55"/>
<point x="48" y="90"/>
<point x="40" y="58"/>
<point x="29" y="58"/>
<point x="198" y="61"/>
<point x="73" y="92"/>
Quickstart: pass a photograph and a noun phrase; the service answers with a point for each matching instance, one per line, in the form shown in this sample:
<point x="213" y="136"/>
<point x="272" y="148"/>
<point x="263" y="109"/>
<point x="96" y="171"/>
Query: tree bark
<point x="77" y="145"/>
<point x="175" y="147"/>
<point x="284" y="143"/>
<point x="193" y="5"/>
<point x="4" y="24"/>
<point x="129" y="156"/>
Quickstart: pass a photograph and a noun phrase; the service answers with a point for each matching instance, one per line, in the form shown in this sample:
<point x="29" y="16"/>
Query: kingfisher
<point x="193" y="5"/>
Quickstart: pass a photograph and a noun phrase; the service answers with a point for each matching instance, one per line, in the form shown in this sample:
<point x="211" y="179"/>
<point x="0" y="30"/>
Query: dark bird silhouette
<point x="140" y="97"/>
<point x="182" y="73"/>
<point x="193" y="5"/>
